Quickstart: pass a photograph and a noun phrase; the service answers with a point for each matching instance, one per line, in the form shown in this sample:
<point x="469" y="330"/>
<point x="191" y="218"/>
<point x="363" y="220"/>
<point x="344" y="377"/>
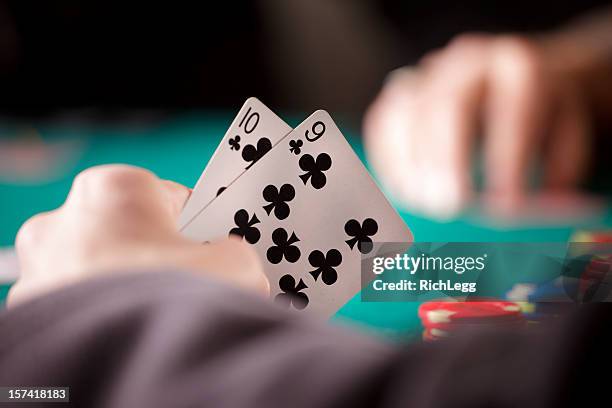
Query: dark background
<point x="294" y="55"/>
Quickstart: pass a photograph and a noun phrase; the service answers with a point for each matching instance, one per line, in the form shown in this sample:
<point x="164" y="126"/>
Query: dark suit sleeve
<point x="175" y="340"/>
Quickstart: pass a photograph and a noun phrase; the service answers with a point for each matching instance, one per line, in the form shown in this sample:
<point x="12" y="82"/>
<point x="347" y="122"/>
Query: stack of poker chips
<point x="446" y="319"/>
<point x="596" y="279"/>
<point x="542" y="301"/>
<point x="551" y="299"/>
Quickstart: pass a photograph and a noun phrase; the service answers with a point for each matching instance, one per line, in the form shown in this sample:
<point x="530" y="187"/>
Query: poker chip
<point x="601" y="264"/>
<point x="553" y="309"/>
<point x="517" y="322"/>
<point x="551" y="292"/>
<point x="592" y="236"/>
<point x="520" y="292"/>
<point x="595" y="278"/>
<point x="446" y="319"/>
<point x="562" y="289"/>
<point x="434" y="334"/>
<point x="474" y="312"/>
<point x="427" y="337"/>
<point x="599" y="269"/>
<point x="602" y="236"/>
<point x="540" y="302"/>
<point x="526" y="307"/>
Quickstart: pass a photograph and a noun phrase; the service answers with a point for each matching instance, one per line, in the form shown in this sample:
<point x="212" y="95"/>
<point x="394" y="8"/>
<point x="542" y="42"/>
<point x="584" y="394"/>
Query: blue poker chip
<point x="553" y="308"/>
<point x="538" y="317"/>
<point x="559" y="290"/>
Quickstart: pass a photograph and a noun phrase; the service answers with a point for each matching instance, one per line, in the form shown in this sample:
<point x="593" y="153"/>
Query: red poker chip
<point x="434" y="334"/>
<point x="601" y="236"/>
<point x="427" y="337"/>
<point x="599" y="265"/>
<point x="455" y="326"/>
<point x="474" y="312"/>
<point x="594" y="275"/>
<point x="597" y="271"/>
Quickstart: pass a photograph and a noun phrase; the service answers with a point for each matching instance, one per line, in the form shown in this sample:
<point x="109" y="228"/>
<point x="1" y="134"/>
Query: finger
<point x="388" y="135"/>
<point x="234" y="261"/>
<point x="111" y="186"/>
<point x="452" y="90"/>
<point x="569" y="149"/>
<point x="431" y="57"/>
<point x="177" y="195"/>
<point x="31" y="237"/>
<point x="514" y="119"/>
<point x="122" y="191"/>
<point x="32" y="231"/>
<point x="459" y="42"/>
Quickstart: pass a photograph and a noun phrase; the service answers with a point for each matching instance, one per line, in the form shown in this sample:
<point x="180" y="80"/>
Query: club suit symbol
<point x="245" y="227"/>
<point x="295" y="146"/>
<point x="234" y="143"/>
<point x="326" y="265"/>
<point x="315" y="169"/>
<point x="361" y="234"/>
<point x="278" y="199"/>
<point x="251" y="153"/>
<point x="283" y="247"/>
<point x="292" y="293"/>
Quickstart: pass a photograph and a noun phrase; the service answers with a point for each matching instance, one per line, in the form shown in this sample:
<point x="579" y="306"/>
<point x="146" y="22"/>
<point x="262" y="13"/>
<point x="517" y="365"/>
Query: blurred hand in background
<point x="531" y="99"/>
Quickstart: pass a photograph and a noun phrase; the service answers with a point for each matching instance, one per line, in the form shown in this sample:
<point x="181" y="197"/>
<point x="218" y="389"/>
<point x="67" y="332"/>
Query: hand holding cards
<point x="307" y="204"/>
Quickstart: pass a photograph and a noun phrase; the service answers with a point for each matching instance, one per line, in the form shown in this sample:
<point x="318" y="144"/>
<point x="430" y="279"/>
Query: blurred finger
<point x="569" y="150"/>
<point x="514" y="119"/>
<point x="388" y="135"/>
<point x="453" y="89"/>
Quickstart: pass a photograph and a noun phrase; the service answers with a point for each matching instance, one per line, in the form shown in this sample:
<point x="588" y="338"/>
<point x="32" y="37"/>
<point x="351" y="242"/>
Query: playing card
<point x="311" y="210"/>
<point x="250" y="136"/>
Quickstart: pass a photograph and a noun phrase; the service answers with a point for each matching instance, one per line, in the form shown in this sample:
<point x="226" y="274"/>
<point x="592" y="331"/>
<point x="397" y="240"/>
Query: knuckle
<point x="520" y="59"/>
<point x="468" y="40"/>
<point x="398" y="91"/>
<point x="465" y="53"/>
<point x="30" y="231"/>
<point x="107" y="183"/>
<point x="112" y="177"/>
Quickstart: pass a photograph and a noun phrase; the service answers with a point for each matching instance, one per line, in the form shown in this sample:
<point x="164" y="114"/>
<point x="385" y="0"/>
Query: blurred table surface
<point x="177" y="147"/>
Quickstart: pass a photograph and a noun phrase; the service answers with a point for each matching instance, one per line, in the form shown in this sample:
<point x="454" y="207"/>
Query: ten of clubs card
<point x="308" y="206"/>
<point x="250" y="136"/>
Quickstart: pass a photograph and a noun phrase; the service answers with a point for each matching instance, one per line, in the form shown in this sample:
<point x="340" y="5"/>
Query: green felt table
<point x="178" y="148"/>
